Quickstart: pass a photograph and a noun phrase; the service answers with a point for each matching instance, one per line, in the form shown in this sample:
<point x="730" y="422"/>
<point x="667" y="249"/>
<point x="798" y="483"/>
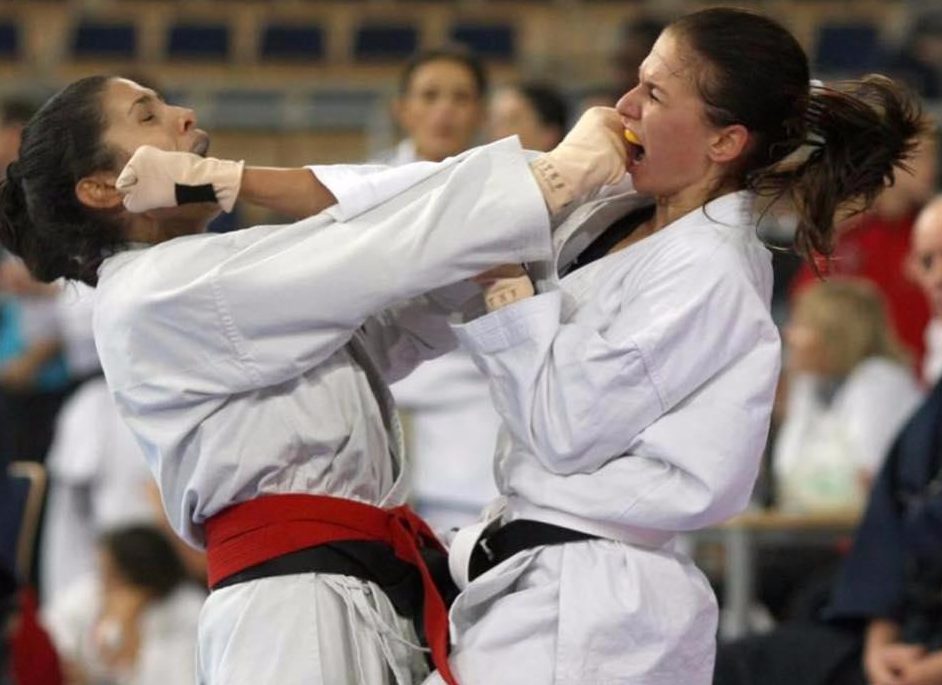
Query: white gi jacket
<point x="636" y="394"/>
<point x="231" y="357"/>
<point x="451" y="426"/>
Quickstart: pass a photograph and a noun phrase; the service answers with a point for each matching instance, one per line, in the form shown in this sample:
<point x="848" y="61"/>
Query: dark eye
<point x="148" y="117"/>
<point x="926" y="261"/>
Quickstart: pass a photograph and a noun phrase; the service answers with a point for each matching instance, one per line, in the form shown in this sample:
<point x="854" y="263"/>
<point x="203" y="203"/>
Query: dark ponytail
<point x="41" y="219"/>
<point x="856" y="135"/>
<point x="825" y="149"/>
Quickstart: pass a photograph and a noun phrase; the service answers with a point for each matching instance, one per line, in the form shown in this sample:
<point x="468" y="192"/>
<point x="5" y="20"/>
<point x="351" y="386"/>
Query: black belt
<point x="366" y="560"/>
<point x="514" y="537"/>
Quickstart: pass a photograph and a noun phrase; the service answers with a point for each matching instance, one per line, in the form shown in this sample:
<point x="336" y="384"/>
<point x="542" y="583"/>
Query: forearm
<point x="292" y="192"/>
<point x="41" y="352"/>
<point x="881" y="632"/>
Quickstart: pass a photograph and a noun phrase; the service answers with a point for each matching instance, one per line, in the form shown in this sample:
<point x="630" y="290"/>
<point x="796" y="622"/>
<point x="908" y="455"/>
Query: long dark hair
<point x="826" y="149"/>
<point x="41" y="219"/>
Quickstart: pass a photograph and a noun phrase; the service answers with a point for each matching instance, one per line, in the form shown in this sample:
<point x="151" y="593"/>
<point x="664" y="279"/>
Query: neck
<point x="669" y="208"/>
<point x="153" y="230"/>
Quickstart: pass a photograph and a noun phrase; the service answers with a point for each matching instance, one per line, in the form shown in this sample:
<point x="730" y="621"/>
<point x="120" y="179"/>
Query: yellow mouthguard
<point x="632" y="138"/>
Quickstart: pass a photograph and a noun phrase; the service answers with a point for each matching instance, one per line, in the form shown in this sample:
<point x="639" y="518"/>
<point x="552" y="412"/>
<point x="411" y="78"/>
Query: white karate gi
<point x="824" y="446"/>
<point x="636" y="394"/>
<point x="231" y="356"/>
<point x="452" y="426"/>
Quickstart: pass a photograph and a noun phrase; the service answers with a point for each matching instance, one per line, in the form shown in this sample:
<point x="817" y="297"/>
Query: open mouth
<point x="635" y="148"/>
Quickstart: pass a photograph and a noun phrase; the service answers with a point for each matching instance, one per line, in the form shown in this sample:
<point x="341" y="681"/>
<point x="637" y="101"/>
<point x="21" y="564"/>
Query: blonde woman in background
<point x="850" y="388"/>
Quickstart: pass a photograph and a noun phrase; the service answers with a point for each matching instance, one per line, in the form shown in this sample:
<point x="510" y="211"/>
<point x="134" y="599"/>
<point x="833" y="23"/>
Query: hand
<point x="593" y="154"/>
<point x="504" y="285"/>
<point x="887" y="664"/>
<point x="117" y="631"/>
<point x="18" y="374"/>
<point x="924" y="671"/>
<point x="155" y="178"/>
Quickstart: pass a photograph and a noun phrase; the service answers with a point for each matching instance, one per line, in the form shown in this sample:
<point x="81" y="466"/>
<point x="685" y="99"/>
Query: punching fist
<point x="155" y="178"/>
<point x="593" y="154"/>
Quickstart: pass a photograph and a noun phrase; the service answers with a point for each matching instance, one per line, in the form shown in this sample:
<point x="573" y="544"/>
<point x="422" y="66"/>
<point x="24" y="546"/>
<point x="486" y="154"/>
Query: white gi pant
<point x="306" y="629"/>
<point x="597" y="612"/>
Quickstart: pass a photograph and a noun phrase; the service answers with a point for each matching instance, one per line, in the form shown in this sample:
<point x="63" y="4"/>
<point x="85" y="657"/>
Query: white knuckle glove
<point x="155" y="178"/>
<point x="593" y="154"/>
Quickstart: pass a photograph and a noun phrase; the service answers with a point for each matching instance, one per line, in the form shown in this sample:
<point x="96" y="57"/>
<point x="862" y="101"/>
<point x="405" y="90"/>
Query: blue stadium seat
<point x="295" y="43"/>
<point x="108" y="40"/>
<point x="385" y="42"/>
<point x="490" y="41"/>
<point x="9" y="40"/>
<point x="848" y="48"/>
<point x="198" y="42"/>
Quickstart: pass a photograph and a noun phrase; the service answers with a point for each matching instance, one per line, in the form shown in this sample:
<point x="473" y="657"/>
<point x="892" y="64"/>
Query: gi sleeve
<point x="407" y="334"/>
<point x="266" y="305"/>
<point x="576" y="395"/>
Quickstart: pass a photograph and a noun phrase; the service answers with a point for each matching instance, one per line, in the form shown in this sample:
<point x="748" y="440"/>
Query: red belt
<point x="271" y="526"/>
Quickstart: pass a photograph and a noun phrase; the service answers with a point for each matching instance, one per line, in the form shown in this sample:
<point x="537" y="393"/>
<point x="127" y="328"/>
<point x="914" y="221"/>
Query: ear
<point x="98" y="190"/>
<point x="729" y="143"/>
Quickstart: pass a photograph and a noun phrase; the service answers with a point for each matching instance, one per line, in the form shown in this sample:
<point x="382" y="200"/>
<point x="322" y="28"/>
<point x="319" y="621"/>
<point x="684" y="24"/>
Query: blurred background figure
<point x="98" y="478"/>
<point x="637" y="38"/>
<point x="876" y="245"/>
<point x="450" y="424"/>
<point x="919" y="59"/>
<point x="927" y="270"/>
<point x="440" y="107"/>
<point x="136" y="622"/>
<point x="881" y="622"/>
<point x="537" y="112"/>
<point x="850" y="388"/>
<point x="33" y="376"/>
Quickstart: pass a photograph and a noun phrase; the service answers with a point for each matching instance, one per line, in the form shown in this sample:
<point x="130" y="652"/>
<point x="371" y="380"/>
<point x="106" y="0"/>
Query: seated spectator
<point x="927" y="271"/>
<point x="849" y="390"/>
<point x="536" y="112"/>
<point x="883" y="620"/>
<point x="136" y="624"/>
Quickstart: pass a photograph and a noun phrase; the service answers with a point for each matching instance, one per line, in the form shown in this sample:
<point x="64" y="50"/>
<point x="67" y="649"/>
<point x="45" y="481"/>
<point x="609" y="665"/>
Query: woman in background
<point x="850" y="388"/>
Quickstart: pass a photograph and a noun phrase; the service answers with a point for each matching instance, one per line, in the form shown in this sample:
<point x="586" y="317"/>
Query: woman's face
<point x="138" y="116"/>
<point x="667" y="114"/>
<point x="805" y="347"/>
<point x="442" y="110"/>
<point x="510" y="113"/>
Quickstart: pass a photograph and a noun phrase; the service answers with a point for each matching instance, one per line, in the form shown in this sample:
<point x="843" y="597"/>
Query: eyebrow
<point x="145" y="99"/>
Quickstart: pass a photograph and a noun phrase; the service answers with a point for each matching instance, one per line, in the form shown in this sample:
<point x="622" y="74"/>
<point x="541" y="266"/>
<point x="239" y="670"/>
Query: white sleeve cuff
<point x="529" y="319"/>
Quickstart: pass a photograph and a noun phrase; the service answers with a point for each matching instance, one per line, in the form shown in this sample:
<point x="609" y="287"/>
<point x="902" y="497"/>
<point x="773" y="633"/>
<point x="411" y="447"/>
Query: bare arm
<point x="293" y="192"/>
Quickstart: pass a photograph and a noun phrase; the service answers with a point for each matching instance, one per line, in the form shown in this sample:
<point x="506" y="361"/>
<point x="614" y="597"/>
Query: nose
<point x="628" y="105"/>
<point x="186" y="119"/>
